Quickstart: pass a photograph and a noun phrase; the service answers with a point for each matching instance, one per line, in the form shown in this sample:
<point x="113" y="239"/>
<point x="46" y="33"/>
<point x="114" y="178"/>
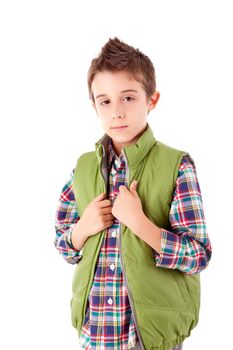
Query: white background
<point x="47" y="122"/>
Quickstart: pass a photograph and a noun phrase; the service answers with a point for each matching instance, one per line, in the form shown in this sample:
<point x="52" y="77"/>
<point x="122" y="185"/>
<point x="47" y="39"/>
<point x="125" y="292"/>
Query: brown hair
<point x="117" y="56"/>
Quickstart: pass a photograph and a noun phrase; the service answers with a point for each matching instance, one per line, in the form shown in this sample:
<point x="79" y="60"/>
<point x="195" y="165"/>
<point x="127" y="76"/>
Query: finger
<point x="105" y="203"/>
<point x="108" y="224"/>
<point x="106" y="210"/>
<point x="134" y="184"/>
<point x="133" y="187"/>
<point x="108" y="217"/>
<point x="100" y="197"/>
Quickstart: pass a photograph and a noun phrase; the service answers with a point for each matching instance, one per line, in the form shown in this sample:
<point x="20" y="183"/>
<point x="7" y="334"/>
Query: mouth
<point x="119" y="127"/>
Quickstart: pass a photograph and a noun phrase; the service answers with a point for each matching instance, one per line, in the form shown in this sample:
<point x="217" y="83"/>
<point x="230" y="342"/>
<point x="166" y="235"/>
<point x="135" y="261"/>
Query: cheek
<point x="102" y="114"/>
<point x="104" y="121"/>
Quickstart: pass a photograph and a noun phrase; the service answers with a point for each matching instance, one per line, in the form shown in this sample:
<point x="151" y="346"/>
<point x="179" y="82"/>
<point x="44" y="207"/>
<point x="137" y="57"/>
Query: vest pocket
<point x="181" y="283"/>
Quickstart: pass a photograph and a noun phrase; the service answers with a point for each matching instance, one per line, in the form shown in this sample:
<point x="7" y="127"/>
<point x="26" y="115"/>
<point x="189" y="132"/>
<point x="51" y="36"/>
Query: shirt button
<point x="110" y="301"/>
<point x="117" y="163"/>
<point x="112" y="267"/>
<point x="114" y="234"/>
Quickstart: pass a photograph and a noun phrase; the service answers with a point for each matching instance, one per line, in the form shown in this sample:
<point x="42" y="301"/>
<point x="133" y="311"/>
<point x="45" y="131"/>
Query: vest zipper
<point x="88" y="293"/>
<point x="121" y="259"/>
<point x="102" y="175"/>
<point x="123" y="271"/>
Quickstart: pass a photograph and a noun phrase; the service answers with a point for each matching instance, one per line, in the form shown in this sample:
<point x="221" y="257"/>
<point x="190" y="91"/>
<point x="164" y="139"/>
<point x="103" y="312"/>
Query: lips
<point x="119" y="127"/>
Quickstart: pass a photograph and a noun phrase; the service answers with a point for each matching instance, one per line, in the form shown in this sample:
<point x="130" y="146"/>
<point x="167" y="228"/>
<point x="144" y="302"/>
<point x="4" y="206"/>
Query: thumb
<point x="133" y="187"/>
<point x="100" y="197"/>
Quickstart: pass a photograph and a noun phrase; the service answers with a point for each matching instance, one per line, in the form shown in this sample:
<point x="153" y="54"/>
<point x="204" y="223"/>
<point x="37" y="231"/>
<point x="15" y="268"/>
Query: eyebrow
<point x="123" y="91"/>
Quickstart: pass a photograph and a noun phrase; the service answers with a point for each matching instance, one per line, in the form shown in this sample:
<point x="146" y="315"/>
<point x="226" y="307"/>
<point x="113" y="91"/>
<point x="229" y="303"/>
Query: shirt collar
<point x="112" y="156"/>
<point x="134" y="152"/>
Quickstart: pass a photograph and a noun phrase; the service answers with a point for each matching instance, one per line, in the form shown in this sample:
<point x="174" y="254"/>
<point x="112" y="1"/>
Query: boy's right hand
<point x="97" y="216"/>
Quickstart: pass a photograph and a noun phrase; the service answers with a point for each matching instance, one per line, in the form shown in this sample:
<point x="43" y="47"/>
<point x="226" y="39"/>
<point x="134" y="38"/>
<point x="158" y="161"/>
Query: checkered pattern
<point x="109" y="323"/>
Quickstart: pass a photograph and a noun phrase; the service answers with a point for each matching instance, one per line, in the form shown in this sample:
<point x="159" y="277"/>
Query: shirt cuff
<point x="172" y="250"/>
<point x="69" y="237"/>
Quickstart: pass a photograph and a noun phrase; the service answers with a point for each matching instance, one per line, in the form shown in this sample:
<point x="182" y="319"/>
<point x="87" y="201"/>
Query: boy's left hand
<point x="127" y="206"/>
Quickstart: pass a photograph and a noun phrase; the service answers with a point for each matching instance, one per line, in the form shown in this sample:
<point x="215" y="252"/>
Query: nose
<point x="118" y="114"/>
<point x="118" y="110"/>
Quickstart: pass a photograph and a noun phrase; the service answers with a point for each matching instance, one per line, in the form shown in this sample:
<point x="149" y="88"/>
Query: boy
<point x="131" y="218"/>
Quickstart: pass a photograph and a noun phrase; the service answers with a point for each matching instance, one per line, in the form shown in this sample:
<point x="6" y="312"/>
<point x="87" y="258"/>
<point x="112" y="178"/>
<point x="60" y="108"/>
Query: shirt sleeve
<point x="65" y="220"/>
<point x="186" y="245"/>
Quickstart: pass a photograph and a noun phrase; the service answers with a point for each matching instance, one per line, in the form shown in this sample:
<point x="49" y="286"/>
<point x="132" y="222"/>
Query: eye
<point x="104" y="102"/>
<point x="128" y="98"/>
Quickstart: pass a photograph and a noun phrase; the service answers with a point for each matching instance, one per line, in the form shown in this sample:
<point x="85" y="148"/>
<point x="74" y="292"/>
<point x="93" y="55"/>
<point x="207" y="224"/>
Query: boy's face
<point x="122" y="106"/>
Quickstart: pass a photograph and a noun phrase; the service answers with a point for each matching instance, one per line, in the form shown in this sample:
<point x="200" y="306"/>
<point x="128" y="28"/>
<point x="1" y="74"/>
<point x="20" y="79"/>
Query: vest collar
<point x="134" y="152"/>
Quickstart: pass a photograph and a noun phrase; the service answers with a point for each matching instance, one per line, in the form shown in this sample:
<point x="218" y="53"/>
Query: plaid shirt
<point x="109" y="323"/>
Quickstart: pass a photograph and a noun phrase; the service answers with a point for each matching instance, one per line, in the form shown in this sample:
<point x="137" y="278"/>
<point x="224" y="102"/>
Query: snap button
<point x="112" y="267"/>
<point x="110" y="301"/>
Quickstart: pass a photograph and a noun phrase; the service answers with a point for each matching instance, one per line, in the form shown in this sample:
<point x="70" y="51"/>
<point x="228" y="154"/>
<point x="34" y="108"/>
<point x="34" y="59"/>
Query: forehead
<point x="107" y="82"/>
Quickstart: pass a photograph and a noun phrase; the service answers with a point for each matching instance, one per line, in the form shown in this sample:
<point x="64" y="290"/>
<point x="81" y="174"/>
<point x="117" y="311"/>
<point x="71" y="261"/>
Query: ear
<point x="153" y="100"/>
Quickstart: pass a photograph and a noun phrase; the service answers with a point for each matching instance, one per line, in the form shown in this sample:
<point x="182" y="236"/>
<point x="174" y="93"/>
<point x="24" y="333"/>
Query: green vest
<point x="165" y="302"/>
